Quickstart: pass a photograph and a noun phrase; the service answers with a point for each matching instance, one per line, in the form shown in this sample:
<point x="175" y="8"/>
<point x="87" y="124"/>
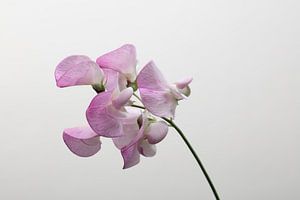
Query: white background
<point x="242" y="117"/>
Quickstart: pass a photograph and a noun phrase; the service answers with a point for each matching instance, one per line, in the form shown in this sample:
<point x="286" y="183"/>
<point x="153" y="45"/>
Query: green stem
<point x="171" y="122"/>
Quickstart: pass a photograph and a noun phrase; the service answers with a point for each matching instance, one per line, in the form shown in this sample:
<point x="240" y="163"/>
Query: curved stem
<point x="171" y="122"/>
<point x="195" y="156"/>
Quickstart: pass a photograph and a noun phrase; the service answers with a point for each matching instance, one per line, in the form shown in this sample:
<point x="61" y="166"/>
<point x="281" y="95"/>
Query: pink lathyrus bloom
<point x="122" y="60"/>
<point x="78" y="70"/>
<point x="158" y="96"/>
<point x="82" y="141"/>
<point x="140" y="138"/>
<point x="106" y="112"/>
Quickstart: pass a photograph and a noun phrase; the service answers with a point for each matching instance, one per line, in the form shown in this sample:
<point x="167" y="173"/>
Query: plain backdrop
<point x="242" y="117"/>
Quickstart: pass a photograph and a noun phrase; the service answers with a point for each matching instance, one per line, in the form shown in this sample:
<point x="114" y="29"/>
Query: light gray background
<point x="242" y="117"/>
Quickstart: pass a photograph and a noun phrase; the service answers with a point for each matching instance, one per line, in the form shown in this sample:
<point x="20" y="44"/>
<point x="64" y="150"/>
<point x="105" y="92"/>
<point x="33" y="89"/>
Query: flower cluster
<point x="113" y="112"/>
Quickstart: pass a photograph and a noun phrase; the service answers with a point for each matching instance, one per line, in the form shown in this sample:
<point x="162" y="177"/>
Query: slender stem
<point x="172" y="123"/>
<point x="136" y="96"/>
<point x="137" y="106"/>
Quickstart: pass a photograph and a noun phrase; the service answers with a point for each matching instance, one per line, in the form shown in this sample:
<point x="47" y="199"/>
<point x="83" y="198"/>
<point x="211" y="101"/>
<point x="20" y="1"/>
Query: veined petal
<point x="82" y="141"/>
<point x="151" y="78"/>
<point x="156" y="132"/>
<point x="159" y="103"/>
<point x="122" y="60"/>
<point x="123" y="98"/>
<point x="100" y="119"/>
<point x="131" y="156"/>
<point x="78" y="70"/>
<point x="147" y="149"/>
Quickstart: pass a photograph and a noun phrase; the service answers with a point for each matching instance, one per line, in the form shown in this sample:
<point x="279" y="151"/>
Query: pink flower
<point x="82" y="141"/>
<point x="122" y="60"/>
<point x="78" y="70"/>
<point x="106" y="112"/>
<point x="158" y="96"/>
<point x="140" y="138"/>
<point x="134" y="132"/>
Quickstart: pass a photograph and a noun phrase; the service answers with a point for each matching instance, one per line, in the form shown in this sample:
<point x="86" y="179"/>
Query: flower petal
<point x="131" y="156"/>
<point x="131" y="127"/>
<point x="114" y="80"/>
<point x="159" y="103"/>
<point x="122" y="60"/>
<point x="147" y="149"/>
<point x="130" y="132"/>
<point x="78" y="70"/>
<point x="82" y="141"/>
<point x="150" y="77"/>
<point x="99" y="117"/>
<point x="183" y="83"/>
<point x="123" y="98"/>
<point x="156" y="132"/>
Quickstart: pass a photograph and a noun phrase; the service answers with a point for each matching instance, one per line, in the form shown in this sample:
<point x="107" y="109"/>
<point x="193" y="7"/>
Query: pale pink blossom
<point x="122" y="60"/>
<point x="158" y="96"/>
<point x="82" y="141"/>
<point x="140" y="138"/>
<point x="78" y="70"/>
<point x="106" y="112"/>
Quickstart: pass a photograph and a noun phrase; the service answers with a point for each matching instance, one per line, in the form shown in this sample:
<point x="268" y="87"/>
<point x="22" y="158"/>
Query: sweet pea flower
<point x="122" y="60"/>
<point x="106" y="112"/>
<point x="140" y="139"/>
<point x="158" y="96"/>
<point x="78" y="70"/>
<point x="82" y="141"/>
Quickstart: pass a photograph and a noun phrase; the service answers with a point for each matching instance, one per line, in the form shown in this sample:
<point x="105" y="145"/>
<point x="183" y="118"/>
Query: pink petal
<point x="131" y="156"/>
<point x="183" y="83"/>
<point x="159" y="103"/>
<point x="156" y="132"/>
<point x="147" y="149"/>
<point x="150" y="77"/>
<point x="99" y="117"/>
<point x="123" y="98"/>
<point x="122" y="60"/>
<point x="82" y="141"/>
<point x="114" y="80"/>
<point x="130" y="132"/>
<point x="78" y="70"/>
<point x="131" y="128"/>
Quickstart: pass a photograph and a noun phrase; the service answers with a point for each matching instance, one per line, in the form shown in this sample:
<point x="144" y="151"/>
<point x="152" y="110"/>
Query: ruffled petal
<point x="156" y="132"/>
<point x="151" y="78"/>
<point x="122" y="60"/>
<point x="82" y="141"/>
<point x="147" y="149"/>
<point x="131" y="156"/>
<point x="78" y="70"/>
<point x="123" y="98"/>
<point x="99" y="117"/>
<point x="159" y="103"/>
